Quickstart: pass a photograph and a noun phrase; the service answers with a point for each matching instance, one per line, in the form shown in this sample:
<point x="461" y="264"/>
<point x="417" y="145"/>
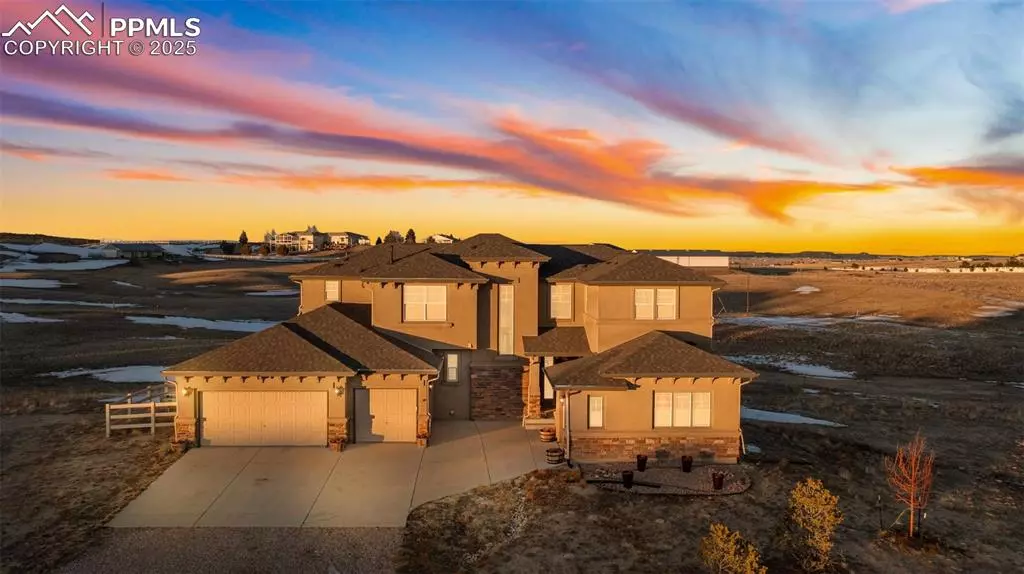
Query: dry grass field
<point x="61" y="478"/>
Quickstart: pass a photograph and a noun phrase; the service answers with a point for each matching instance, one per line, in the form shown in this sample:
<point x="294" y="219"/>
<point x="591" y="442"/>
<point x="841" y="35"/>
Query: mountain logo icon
<point x="26" y="28"/>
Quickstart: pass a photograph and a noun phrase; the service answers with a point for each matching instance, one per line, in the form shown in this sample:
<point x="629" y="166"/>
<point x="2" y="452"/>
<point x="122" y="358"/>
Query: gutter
<point x="743" y="442"/>
<point x="568" y="427"/>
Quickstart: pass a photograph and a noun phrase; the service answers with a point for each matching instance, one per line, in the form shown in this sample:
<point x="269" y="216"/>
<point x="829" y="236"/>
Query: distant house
<point x="692" y="258"/>
<point x="131" y="250"/>
<point x="309" y="240"/>
<point x="343" y="239"/>
<point x="441" y="238"/>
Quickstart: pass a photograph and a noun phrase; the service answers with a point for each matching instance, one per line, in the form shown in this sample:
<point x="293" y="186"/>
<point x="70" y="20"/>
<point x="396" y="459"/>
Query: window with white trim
<point x="425" y="302"/>
<point x="595" y="412"/>
<point x="332" y="291"/>
<point x="561" y="301"/>
<point x="682" y="410"/>
<point x="451" y="368"/>
<point x="666" y="304"/>
<point x="643" y="303"/>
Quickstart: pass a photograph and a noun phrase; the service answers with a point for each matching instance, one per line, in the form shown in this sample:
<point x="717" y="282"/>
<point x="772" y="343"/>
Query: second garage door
<point x="385" y="415"/>
<point x="263" y="418"/>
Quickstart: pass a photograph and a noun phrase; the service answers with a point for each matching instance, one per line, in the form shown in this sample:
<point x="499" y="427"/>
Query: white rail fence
<point x="152" y="415"/>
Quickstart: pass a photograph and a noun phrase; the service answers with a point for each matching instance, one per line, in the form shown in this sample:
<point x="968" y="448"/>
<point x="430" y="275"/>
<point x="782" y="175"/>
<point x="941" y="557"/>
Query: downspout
<point x="568" y="426"/>
<point x="739" y="399"/>
<point x="430" y="399"/>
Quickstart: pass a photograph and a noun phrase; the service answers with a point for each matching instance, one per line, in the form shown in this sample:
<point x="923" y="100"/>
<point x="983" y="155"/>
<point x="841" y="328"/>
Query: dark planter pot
<point x="627" y="479"/>
<point x="641" y="462"/>
<point x="717" y="480"/>
<point x="555" y="455"/>
<point x="687" y="463"/>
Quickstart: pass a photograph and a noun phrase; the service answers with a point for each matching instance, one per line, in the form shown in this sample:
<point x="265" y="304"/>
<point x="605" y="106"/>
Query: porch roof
<point x="655" y="354"/>
<point x="558" y="342"/>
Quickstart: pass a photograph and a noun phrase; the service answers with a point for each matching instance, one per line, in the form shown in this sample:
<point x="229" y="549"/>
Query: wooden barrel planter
<point x="627" y="479"/>
<point x="555" y="456"/>
<point x="547" y="434"/>
<point x="687" y="462"/>
<point x="717" y="480"/>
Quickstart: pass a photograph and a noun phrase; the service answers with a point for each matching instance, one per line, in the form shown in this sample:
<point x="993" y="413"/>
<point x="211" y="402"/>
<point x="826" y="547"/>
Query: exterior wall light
<point x="187" y="391"/>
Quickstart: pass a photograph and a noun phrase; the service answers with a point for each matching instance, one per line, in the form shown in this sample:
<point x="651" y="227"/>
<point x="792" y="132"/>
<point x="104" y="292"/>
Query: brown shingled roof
<point x="492" y="247"/>
<point x="354" y="265"/>
<point x="322" y="341"/>
<point x="423" y="266"/>
<point x="568" y="260"/>
<point x="655" y="354"/>
<point x="558" y="342"/>
<point x="277" y="350"/>
<point x="636" y="268"/>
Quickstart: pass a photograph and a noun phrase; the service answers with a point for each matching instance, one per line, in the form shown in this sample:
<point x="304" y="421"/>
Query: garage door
<point x="385" y="415"/>
<point x="263" y="418"/>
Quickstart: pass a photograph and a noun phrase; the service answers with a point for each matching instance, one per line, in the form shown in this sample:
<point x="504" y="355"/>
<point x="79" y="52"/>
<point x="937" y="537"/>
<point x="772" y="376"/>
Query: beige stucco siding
<point x="612" y="318"/>
<point x="631" y="412"/>
<point x="460" y="328"/>
<point x="524" y="276"/>
<point x="313" y="293"/>
<point x="579" y="291"/>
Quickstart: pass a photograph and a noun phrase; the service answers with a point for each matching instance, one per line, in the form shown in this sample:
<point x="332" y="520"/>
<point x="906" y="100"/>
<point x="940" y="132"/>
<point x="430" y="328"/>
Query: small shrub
<point x="245" y="249"/>
<point x="810" y="525"/>
<point x="264" y="250"/>
<point x="282" y="250"/>
<point x="726" y="552"/>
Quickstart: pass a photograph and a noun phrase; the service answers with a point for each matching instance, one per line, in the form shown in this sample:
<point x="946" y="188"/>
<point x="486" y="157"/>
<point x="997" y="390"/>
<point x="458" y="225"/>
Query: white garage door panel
<point x="385" y="415"/>
<point x="264" y="418"/>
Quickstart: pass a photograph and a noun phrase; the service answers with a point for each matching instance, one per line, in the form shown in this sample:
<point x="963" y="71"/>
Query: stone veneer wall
<point x="496" y="391"/>
<point x="531" y="396"/>
<point x="337" y="429"/>
<point x="701" y="448"/>
<point x="185" y="431"/>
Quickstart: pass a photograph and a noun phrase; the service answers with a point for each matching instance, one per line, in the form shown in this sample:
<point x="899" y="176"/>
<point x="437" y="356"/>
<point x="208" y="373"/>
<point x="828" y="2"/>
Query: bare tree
<point x="410" y="236"/>
<point x="910" y="476"/>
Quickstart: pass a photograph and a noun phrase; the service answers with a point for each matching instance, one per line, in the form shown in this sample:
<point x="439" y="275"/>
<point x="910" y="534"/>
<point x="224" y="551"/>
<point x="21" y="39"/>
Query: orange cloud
<point x="329" y="179"/>
<point x="145" y="175"/>
<point x="995" y="188"/>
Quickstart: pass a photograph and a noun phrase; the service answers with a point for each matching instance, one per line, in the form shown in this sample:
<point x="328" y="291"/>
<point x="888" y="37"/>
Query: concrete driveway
<point x="368" y="485"/>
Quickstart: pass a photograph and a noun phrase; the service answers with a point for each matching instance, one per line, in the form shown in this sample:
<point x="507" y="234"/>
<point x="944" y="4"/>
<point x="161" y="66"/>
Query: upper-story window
<point x="655" y="303"/>
<point x="425" y="302"/>
<point x="332" y="291"/>
<point x="561" y="301"/>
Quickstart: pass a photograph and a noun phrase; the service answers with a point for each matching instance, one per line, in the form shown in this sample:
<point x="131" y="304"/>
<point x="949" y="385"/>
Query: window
<point x="549" y="390"/>
<point x="332" y="291"/>
<point x="643" y="301"/>
<point x="655" y="303"/>
<point x="425" y="302"/>
<point x="666" y="304"/>
<point x="506" y="321"/>
<point x="561" y="301"/>
<point x="595" y="417"/>
<point x="451" y="371"/>
<point x="682" y="409"/>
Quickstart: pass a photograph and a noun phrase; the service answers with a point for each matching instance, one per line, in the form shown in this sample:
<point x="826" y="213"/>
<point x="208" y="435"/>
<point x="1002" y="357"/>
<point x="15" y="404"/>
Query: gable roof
<point x="359" y="347"/>
<point x="323" y="341"/>
<point x="654" y="354"/>
<point x="558" y="342"/>
<point x="491" y="247"/>
<point x="636" y="268"/>
<point x="569" y="260"/>
<point x="423" y="266"/>
<point x="277" y="350"/>
<point x="354" y="263"/>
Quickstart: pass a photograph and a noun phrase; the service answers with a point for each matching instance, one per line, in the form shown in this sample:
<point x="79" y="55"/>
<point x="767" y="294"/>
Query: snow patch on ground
<point x="753" y="449"/>
<point x="126" y="284"/>
<point x="778" y="321"/>
<point x="275" y="293"/>
<point x="53" y="248"/>
<point x="133" y="374"/>
<point x="806" y="290"/>
<point x="8" y="253"/>
<point x="83" y="265"/>
<point x="22" y="318"/>
<point x="785" y="418"/>
<point x="33" y="283"/>
<point x="55" y="302"/>
<point x="812" y="391"/>
<point x="794" y="365"/>
<point x="164" y="338"/>
<point x="998" y="308"/>
<point x="196" y="323"/>
<point x="883" y="317"/>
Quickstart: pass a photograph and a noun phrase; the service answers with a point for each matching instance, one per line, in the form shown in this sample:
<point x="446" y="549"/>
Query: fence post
<point x="108" y="419"/>
<point x="152" y="418"/>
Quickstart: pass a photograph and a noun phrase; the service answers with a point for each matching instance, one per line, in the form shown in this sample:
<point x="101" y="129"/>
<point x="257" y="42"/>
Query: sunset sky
<point x="890" y="126"/>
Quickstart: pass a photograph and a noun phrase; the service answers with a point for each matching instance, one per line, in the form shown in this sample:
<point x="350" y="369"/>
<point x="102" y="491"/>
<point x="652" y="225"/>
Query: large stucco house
<point x="610" y="347"/>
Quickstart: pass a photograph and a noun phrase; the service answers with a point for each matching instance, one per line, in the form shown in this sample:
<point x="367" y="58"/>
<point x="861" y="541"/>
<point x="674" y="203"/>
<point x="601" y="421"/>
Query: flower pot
<point x="717" y="480"/>
<point x="547" y="434"/>
<point x="555" y="455"/>
<point x="687" y="463"/>
<point x="641" y="462"/>
<point x="627" y="479"/>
